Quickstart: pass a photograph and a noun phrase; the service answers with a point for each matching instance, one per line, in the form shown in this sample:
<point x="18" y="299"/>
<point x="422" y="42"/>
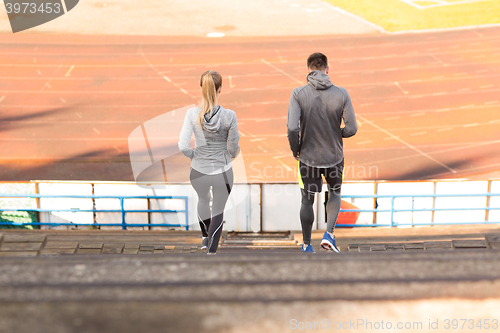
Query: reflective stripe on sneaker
<point x="328" y="243"/>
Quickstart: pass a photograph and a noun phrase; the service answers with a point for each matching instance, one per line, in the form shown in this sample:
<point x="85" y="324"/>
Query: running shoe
<point x="204" y="243"/>
<point x="211" y="253"/>
<point x="328" y="243"/>
<point x="308" y="248"/>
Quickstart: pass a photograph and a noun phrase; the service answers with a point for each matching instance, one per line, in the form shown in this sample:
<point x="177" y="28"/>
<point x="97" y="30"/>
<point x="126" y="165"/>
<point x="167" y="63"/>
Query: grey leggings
<point x="307" y="212"/>
<point x="211" y="221"/>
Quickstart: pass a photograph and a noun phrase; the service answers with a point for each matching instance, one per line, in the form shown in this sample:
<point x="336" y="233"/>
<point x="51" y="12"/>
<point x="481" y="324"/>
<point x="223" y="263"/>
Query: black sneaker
<point x="204" y="243"/>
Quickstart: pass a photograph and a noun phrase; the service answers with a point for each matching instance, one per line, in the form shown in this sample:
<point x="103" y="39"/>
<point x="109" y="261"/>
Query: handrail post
<point x="94" y="207"/>
<point x="187" y="210"/>
<point x="261" y="228"/>
<point x="38" y="206"/>
<point x="124" y="226"/>
<point x="433" y="213"/>
<point x="375" y="204"/>
<point x="488" y="203"/>
<point x="412" y="211"/>
<point x="392" y="211"/>
<point x="149" y="213"/>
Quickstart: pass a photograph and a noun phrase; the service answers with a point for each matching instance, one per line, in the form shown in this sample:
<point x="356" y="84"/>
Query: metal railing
<point x="122" y="210"/>
<point x="394" y="210"/>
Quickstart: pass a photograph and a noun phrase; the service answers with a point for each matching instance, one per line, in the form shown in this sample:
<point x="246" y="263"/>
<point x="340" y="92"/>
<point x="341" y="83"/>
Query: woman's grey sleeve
<point x="185" y="137"/>
<point x="233" y="138"/>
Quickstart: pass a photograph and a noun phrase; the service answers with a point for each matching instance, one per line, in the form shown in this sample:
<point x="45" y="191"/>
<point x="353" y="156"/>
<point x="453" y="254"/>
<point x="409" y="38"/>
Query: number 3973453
<point x="27" y="7"/>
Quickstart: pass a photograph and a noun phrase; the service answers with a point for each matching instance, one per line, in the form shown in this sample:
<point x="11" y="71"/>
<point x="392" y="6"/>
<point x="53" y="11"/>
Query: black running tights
<point x="211" y="220"/>
<point x="307" y="212"/>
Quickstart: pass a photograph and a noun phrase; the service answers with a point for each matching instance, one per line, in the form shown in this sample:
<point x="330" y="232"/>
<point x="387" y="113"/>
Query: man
<point x="315" y="134"/>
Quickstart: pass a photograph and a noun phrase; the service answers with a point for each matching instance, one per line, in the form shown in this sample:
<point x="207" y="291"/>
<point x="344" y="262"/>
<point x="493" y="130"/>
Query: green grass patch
<point x="396" y="15"/>
<point x="17" y="219"/>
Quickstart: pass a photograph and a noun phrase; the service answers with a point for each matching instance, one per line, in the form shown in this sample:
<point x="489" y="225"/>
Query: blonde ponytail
<point x="210" y="83"/>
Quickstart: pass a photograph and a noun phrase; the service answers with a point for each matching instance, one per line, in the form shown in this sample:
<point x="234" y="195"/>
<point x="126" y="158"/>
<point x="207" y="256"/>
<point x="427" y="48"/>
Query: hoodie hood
<point x="319" y="80"/>
<point x="212" y="120"/>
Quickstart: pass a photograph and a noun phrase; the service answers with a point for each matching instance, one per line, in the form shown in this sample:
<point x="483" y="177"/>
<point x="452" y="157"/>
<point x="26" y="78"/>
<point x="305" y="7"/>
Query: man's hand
<point x="296" y="157"/>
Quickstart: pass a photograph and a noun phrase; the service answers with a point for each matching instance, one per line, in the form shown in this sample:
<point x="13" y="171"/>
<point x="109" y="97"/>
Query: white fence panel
<point x="494" y="215"/>
<point x="462" y="216"/>
<point x="417" y="188"/>
<point x="177" y="204"/>
<point x="281" y="207"/>
<point x="66" y="203"/>
<point x="114" y="204"/>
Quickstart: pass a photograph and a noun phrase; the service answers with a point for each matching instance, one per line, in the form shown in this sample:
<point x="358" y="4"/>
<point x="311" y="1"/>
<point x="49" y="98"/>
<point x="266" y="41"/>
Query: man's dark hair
<point x="317" y="61"/>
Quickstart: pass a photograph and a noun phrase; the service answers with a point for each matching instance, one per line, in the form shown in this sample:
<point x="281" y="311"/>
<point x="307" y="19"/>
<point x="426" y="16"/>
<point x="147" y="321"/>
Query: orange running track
<point x="428" y="104"/>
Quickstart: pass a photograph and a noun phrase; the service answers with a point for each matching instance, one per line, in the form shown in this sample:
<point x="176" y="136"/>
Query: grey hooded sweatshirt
<point x="315" y="114"/>
<point x="215" y="143"/>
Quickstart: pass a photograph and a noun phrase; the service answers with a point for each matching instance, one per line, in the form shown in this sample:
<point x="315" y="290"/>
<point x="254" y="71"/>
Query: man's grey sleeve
<point x="233" y="138"/>
<point x="351" y="126"/>
<point x="293" y="124"/>
<point x="185" y="137"/>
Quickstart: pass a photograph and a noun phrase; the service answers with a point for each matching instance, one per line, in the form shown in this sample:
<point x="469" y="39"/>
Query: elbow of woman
<point x="186" y="150"/>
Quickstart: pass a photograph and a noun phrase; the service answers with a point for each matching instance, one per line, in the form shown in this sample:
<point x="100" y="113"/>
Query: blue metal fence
<point x="122" y="209"/>
<point x="393" y="210"/>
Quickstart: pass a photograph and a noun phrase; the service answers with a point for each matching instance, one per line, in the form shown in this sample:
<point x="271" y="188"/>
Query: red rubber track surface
<point x="427" y="104"/>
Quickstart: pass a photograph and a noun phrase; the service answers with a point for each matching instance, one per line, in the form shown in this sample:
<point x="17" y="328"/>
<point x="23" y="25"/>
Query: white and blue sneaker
<point x="328" y="243"/>
<point x="308" y="248"/>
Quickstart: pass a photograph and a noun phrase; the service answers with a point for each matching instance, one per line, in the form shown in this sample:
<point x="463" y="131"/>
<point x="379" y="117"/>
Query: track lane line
<point x="282" y="72"/>
<point x="68" y="73"/>
<point x="411" y="42"/>
<point x="408" y="145"/>
<point x="252" y="63"/>
<point x="47" y="84"/>
<point x="469" y="146"/>
<point x="184" y="91"/>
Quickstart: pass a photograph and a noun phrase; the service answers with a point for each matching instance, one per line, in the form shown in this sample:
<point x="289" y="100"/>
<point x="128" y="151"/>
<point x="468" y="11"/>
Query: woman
<point x="216" y="142"/>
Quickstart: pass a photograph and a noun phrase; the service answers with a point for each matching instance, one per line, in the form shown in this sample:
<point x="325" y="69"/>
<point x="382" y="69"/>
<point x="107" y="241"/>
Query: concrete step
<point x="363" y="316"/>
<point x="200" y="291"/>
<point x="263" y="266"/>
